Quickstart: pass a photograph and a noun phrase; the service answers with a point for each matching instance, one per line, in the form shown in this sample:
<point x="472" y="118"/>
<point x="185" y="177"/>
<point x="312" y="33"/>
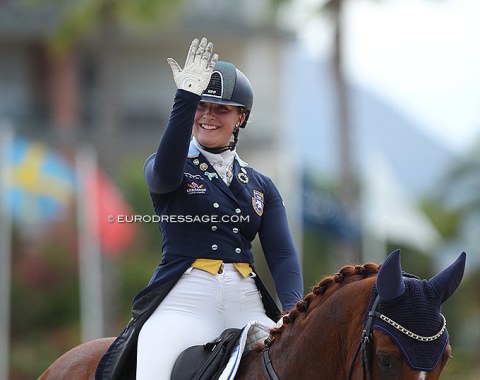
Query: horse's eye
<point x="385" y="361"/>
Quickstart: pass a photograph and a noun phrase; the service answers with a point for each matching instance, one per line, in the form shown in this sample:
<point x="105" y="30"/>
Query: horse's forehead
<point x="418" y="308"/>
<point x="421" y="292"/>
<point x="418" y="311"/>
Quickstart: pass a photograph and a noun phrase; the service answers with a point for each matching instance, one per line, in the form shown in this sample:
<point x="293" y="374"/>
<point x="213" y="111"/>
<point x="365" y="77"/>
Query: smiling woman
<point x="215" y="124"/>
<point x="206" y="282"/>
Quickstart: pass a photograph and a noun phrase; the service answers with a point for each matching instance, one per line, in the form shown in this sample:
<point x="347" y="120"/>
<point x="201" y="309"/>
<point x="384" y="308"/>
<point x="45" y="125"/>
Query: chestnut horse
<point x="366" y="321"/>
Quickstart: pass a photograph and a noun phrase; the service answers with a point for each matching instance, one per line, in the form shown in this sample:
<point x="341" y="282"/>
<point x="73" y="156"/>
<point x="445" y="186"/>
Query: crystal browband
<point x="411" y="334"/>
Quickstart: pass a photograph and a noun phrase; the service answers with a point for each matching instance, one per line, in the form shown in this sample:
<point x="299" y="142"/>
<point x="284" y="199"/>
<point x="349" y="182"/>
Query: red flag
<point x="114" y="233"/>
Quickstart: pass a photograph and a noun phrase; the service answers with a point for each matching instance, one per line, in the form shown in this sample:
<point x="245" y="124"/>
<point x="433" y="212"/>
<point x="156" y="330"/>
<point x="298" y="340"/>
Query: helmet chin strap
<point x="230" y="146"/>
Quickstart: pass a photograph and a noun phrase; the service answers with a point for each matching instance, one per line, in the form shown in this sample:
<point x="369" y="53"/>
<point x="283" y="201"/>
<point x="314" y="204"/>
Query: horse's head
<point x="396" y="316"/>
<point x="406" y="310"/>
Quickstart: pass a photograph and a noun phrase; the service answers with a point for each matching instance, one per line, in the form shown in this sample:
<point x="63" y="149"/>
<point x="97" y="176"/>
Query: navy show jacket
<point x="201" y="217"/>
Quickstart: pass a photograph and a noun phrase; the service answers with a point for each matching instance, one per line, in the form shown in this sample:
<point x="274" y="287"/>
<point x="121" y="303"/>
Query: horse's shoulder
<point x="82" y="359"/>
<point x="91" y="347"/>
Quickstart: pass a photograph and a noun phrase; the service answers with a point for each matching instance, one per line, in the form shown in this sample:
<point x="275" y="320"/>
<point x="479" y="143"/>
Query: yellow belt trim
<point x="244" y="268"/>
<point x="213" y="266"/>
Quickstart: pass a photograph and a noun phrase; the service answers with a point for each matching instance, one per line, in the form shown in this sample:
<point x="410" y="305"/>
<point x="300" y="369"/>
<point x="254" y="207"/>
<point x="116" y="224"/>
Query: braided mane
<point x="344" y="276"/>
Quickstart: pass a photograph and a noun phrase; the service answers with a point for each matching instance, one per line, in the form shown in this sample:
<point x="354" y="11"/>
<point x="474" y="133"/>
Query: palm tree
<point x="347" y="183"/>
<point x="104" y="22"/>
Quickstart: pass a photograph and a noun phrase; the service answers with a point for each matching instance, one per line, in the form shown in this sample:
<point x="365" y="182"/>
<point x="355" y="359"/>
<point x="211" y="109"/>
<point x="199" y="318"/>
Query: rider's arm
<point x="279" y="249"/>
<point x="163" y="171"/>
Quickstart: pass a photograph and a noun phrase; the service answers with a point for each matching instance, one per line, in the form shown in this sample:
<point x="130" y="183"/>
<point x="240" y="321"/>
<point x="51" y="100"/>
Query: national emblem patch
<point x="258" y="201"/>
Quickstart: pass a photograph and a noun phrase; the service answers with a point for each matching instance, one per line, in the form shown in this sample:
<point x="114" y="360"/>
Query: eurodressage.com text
<point x="179" y="219"/>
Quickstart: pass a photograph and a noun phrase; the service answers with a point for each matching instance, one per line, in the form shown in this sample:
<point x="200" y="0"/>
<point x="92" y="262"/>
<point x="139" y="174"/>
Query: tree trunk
<point x="348" y="195"/>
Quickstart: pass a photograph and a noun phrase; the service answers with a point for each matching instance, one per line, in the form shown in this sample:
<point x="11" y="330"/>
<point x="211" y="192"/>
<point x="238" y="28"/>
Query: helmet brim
<point x="215" y="100"/>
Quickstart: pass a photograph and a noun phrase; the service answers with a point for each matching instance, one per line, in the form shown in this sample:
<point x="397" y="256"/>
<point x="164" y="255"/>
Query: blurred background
<point x="366" y="115"/>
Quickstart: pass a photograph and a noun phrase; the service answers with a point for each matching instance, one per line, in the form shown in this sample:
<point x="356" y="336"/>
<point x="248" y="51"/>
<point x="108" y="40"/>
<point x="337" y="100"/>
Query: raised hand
<point x="194" y="77"/>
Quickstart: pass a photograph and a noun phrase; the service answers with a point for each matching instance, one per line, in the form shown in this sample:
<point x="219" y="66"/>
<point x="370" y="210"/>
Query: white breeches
<point x="196" y="310"/>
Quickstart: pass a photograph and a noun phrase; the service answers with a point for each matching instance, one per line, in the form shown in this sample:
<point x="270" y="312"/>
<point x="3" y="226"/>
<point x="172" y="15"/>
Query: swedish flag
<point x="40" y="184"/>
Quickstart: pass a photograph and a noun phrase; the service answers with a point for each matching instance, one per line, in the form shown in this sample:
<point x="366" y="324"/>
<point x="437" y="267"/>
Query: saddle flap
<point x="206" y="362"/>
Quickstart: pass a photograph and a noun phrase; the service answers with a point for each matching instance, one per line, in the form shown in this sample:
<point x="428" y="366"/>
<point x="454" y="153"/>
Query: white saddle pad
<point x="253" y="333"/>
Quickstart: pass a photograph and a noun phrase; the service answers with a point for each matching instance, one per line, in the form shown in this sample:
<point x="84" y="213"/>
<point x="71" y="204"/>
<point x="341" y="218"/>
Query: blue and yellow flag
<point x="40" y="183"/>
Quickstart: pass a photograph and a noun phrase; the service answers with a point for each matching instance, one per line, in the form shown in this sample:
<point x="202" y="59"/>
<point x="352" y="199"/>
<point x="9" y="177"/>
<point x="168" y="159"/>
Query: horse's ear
<point x="446" y="282"/>
<point x="390" y="283"/>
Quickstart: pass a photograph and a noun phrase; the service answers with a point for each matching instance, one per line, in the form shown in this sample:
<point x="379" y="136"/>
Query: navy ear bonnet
<point x="417" y="310"/>
<point x="409" y="309"/>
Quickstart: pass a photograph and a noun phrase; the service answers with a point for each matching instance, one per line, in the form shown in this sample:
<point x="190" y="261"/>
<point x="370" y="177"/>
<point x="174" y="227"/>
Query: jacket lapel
<point x="240" y="178"/>
<point x="209" y="173"/>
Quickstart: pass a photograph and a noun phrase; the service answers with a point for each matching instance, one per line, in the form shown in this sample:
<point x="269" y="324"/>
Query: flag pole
<point x="6" y="144"/>
<point x="90" y="260"/>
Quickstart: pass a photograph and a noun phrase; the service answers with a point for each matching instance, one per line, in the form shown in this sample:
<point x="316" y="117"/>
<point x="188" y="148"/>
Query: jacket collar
<point x="194" y="152"/>
<point x="208" y="172"/>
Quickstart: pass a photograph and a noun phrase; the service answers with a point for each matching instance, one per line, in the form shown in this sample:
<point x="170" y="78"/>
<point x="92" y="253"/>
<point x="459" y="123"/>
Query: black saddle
<point x="207" y="361"/>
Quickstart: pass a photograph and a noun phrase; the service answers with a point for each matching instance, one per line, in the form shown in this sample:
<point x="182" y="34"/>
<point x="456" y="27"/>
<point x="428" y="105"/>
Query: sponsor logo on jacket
<point x="195" y="188"/>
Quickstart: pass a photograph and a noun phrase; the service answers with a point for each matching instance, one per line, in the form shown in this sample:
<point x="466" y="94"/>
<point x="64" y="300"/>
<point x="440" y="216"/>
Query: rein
<point x="366" y="344"/>
<point x="268" y="369"/>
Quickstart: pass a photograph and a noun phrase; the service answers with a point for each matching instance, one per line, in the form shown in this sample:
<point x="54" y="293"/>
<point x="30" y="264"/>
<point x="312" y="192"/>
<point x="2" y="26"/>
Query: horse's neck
<point x="322" y="339"/>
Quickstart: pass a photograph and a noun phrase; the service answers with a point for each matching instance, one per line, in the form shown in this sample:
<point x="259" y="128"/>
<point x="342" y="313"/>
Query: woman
<point x="211" y="206"/>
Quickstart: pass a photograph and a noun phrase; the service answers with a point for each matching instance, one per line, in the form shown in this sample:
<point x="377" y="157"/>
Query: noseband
<point x="365" y="347"/>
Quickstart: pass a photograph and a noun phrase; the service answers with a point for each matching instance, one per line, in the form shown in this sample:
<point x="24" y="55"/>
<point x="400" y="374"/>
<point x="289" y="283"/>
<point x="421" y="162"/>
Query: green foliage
<point x="137" y="265"/>
<point x="45" y="289"/>
<point x="147" y="12"/>
<point x="77" y="22"/>
<point x="462" y="313"/>
<point x="136" y="192"/>
<point x="317" y="258"/>
<point x="446" y="221"/>
<point x="45" y="304"/>
<point x="84" y="18"/>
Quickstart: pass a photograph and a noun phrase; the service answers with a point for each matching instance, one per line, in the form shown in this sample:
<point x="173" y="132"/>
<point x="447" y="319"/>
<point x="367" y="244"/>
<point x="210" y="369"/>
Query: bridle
<point x="268" y="369"/>
<point x="365" y="347"/>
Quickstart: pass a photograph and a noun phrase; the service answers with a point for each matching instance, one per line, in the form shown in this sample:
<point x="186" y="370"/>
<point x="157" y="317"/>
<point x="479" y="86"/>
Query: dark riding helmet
<point x="229" y="86"/>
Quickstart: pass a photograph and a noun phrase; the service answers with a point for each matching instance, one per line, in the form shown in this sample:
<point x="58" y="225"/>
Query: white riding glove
<point x="198" y="67"/>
